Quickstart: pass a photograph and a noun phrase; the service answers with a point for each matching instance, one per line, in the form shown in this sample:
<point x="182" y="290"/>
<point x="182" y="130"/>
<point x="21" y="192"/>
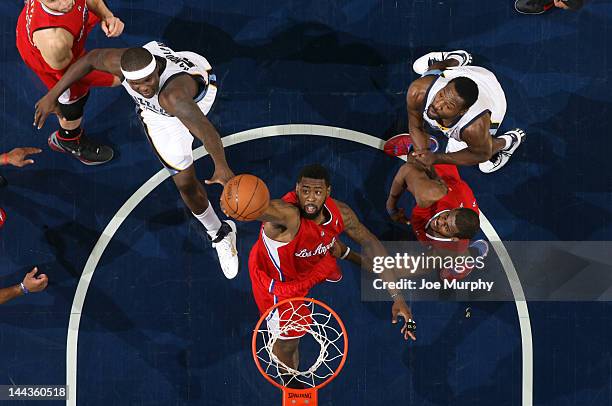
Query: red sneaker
<point x="335" y="276"/>
<point x="2" y="217"/>
<point x="400" y="144"/>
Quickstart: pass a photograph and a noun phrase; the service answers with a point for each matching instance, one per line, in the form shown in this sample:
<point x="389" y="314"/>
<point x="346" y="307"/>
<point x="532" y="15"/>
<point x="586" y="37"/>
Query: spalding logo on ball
<point x="245" y="197"/>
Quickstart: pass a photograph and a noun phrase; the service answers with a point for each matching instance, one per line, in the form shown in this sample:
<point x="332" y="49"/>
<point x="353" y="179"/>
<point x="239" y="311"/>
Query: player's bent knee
<point x="74" y="111"/>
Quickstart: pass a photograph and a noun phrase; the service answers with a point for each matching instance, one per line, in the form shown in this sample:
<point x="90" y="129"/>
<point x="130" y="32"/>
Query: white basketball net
<point x="320" y="324"/>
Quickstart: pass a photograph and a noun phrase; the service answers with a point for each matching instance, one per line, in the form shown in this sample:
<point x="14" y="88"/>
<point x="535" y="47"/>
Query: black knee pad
<point x="74" y="111"/>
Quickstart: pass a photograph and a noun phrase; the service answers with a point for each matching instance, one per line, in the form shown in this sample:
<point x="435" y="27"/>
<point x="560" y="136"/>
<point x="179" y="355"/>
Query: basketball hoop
<point x="293" y="318"/>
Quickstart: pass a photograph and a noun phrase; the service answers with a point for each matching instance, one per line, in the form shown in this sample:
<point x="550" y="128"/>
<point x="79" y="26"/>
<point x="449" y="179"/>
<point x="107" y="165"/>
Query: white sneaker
<point x="501" y="158"/>
<point x="422" y="64"/>
<point x="226" y="249"/>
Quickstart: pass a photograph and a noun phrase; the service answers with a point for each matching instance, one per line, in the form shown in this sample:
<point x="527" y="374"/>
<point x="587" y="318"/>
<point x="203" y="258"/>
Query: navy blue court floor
<point x="161" y="326"/>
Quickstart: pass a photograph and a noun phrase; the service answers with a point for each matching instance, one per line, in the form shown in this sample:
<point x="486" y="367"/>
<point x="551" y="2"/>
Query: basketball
<point x="245" y="197"/>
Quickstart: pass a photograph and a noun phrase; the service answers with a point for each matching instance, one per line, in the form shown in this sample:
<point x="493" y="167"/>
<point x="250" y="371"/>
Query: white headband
<point x="140" y="73"/>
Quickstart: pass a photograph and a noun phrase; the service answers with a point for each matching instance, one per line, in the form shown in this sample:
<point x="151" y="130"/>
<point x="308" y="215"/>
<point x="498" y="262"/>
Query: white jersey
<point x="176" y="63"/>
<point x="169" y="137"/>
<point x="491" y="98"/>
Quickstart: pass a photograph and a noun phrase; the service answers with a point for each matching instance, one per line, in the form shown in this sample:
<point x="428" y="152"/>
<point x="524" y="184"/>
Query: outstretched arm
<point x="106" y="60"/>
<point x="279" y="217"/>
<point x="281" y="214"/>
<point x="177" y="99"/>
<point x="372" y="247"/>
<point x="422" y="182"/>
<point x="415" y="101"/>
<point x="10" y="293"/>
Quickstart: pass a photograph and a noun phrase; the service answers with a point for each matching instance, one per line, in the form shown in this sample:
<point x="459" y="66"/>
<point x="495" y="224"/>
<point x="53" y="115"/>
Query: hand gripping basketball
<point x="245" y="197"/>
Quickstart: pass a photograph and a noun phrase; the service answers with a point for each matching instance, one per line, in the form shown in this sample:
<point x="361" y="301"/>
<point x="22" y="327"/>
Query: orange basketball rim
<point x="288" y="319"/>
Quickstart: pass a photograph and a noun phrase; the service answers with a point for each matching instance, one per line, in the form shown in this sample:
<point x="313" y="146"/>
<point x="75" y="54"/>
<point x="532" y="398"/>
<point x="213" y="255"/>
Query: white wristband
<point x="348" y="249"/>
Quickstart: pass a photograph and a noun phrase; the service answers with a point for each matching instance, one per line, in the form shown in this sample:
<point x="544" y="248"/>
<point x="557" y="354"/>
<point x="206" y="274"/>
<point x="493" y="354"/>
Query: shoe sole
<point x="546" y="8"/>
<point x="58" y="148"/>
<point x="419" y="61"/>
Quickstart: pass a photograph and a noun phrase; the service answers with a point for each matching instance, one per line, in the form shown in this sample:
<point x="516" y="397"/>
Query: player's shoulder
<point x="418" y="89"/>
<point x="345" y="211"/>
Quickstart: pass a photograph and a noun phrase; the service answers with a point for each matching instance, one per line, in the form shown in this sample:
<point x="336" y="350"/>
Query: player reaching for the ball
<point x="174" y="91"/>
<point x="294" y="251"/>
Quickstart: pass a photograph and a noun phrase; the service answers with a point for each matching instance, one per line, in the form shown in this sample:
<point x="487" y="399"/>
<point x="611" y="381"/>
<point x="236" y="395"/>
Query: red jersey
<point x="298" y="261"/>
<point x="459" y="195"/>
<point x="36" y="16"/>
<point x="78" y="22"/>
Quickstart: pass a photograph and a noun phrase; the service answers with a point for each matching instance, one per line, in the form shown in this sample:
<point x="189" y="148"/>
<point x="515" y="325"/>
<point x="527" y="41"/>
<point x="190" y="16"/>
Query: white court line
<point x="255" y="134"/>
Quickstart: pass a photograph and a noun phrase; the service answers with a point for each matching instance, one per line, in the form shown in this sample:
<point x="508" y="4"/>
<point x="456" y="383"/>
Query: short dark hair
<point x="135" y="58"/>
<point x="315" y="171"/>
<point x="467" y="89"/>
<point x="467" y="223"/>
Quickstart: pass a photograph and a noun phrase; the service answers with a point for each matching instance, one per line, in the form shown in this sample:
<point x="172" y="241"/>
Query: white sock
<point x="508" y="140"/>
<point x="209" y="220"/>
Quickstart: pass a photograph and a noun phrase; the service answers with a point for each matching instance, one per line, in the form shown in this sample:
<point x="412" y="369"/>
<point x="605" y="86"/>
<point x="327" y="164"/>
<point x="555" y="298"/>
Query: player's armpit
<point x="55" y="45"/>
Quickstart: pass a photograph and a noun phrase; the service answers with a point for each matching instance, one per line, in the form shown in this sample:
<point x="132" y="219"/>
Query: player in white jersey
<point x="173" y="91"/>
<point x="465" y="103"/>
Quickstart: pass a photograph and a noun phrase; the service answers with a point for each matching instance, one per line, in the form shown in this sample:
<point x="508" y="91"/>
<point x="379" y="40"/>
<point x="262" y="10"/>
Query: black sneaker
<point x="84" y="149"/>
<point x="533" y="6"/>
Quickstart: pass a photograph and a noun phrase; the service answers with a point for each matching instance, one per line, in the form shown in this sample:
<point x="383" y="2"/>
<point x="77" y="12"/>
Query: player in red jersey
<point x="445" y="216"/>
<point x="294" y="252"/>
<point x="51" y="36"/>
